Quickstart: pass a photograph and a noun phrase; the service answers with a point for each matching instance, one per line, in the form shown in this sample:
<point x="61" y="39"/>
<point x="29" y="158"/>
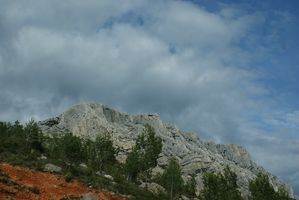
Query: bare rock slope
<point x="195" y="155"/>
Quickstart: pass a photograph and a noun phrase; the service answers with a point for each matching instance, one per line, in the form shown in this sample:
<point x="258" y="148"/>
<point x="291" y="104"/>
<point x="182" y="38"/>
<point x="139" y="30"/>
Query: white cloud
<point x="182" y="61"/>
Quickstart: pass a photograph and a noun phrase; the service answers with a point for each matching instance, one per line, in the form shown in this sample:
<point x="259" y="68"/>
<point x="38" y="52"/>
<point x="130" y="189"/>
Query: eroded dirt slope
<point x="21" y="183"/>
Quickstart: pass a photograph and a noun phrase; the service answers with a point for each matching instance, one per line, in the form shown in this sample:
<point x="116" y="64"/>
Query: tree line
<point x="26" y="145"/>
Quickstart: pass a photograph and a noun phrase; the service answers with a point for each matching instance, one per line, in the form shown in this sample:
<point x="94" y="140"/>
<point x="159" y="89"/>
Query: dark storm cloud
<point x="170" y="57"/>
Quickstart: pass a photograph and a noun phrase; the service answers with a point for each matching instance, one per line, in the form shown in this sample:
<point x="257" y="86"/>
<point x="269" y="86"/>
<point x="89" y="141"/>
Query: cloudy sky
<point x="225" y="69"/>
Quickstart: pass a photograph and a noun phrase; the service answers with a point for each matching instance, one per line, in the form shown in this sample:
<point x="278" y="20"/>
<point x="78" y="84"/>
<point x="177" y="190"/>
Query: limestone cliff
<point x="195" y="155"/>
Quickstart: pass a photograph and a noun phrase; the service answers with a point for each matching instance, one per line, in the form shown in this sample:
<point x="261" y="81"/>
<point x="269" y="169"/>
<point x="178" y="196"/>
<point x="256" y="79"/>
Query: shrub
<point x="261" y="189"/>
<point x="34" y="190"/>
<point x="221" y="186"/>
<point x="68" y="177"/>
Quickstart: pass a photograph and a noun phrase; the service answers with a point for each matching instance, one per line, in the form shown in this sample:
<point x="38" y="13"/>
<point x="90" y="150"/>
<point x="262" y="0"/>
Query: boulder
<point x="83" y="165"/>
<point x="153" y="187"/>
<point x="52" y="168"/>
<point x="43" y="157"/>
<point x="182" y="197"/>
<point x="89" y="197"/>
<point x="109" y="177"/>
<point x="103" y="174"/>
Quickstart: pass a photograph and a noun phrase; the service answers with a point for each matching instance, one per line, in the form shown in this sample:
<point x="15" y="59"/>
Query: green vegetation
<point x="34" y="137"/>
<point x="71" y="149"/>
<point x="144" y="154"/>
<point x="224" y="187"/>
<point x="26" y="145"/>
<point x="100" y="154"/>
<point x="20" y="144"/>
<point x="221" y="186"/>
<point x="190" y="187"/>
<point x="172" y="180"/>
<point x="261" y="189"/>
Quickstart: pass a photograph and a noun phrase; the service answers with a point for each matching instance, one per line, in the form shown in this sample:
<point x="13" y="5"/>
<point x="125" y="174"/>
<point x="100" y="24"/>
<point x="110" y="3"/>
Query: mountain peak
<point x="195" y="155"/>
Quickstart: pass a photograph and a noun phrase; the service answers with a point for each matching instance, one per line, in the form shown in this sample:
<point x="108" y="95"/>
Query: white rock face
<point x="195" y="155"/>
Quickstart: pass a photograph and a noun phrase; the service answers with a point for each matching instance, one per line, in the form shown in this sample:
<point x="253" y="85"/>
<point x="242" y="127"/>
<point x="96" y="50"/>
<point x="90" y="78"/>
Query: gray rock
<point x="109" y="177"/>
<point x="89" y="197"/>
<point x="184" y="198"/>
<point x="195" y="155"/>
<point x="43" y="157"/>
<point x="153" y="187"/>
<point x="52" y="168"/>
<point x="83" y="165"/>
<point x="104" y="175"/>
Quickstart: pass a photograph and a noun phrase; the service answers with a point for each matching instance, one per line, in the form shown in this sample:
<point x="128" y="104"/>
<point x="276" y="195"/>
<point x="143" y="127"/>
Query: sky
<point x="227" y="70"/>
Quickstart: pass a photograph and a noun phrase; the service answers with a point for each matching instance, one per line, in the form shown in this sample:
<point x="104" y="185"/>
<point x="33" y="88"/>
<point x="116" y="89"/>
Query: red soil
<point x="50" y="186"/>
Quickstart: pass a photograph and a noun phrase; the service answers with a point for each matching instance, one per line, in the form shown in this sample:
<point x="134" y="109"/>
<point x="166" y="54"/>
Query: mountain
<point x="195" y="155"/>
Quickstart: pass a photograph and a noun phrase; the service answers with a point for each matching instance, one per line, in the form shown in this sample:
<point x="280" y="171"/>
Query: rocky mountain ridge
<point x="194" y="155"/>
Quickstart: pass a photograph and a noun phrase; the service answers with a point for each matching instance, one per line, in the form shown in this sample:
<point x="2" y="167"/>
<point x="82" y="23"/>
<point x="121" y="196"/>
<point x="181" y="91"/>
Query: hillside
<point x="21" y="183"/>
<point x="194" y="155"/>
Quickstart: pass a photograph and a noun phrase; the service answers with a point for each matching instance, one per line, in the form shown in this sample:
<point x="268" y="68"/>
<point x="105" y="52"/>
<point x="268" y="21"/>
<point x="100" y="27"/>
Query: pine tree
<point x="230" y="185"/>
<point x="190" y="186"/>
<point x="213" y="184"/>
<point x="133" y="164"/>
<point x="71" y="149"/>
<point x="100" y="153"/>
<point x="34" y="136"/>
<point x="144" y="154"/>
<point x="172" y="178"/>
<point x="221" y="186"/>
<point x="261" y="189"/>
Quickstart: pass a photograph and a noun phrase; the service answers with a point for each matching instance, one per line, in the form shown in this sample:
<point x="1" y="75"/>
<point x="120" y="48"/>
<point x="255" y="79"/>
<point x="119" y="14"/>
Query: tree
<point x="150" y="145"/>
<point x="34" y="136"/>
<point x="17" y="129"/>
<point x="8" y="140"/>
<point x="54" y="146"/>
<point x="71" y="149"/>
<point x="190" y="187"/>
<point x="144" y="154"/>
<point x="212" y="186"/>
<point x="230" y="185"/>
<point x="261" y="189"/>
<point x="100" y="153"/>
<point x="282" y="194"/>
<point x="133" y="164"/>
<point x="171" y="178"/>
<point x="221" y="186"/>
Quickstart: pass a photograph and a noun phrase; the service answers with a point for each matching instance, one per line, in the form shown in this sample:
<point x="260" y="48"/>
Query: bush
<point x="68" y="177"/>
<point x="261" y="189"/>
<point x="221" y="186"/>
<point x="34" y="190"/>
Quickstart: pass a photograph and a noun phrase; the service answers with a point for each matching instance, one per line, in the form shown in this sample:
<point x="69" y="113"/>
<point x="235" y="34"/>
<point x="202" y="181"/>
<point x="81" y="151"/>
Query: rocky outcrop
<point x="153" y="187"/>
<point x="52" y="168"/>
<point x="195" y="155"/>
